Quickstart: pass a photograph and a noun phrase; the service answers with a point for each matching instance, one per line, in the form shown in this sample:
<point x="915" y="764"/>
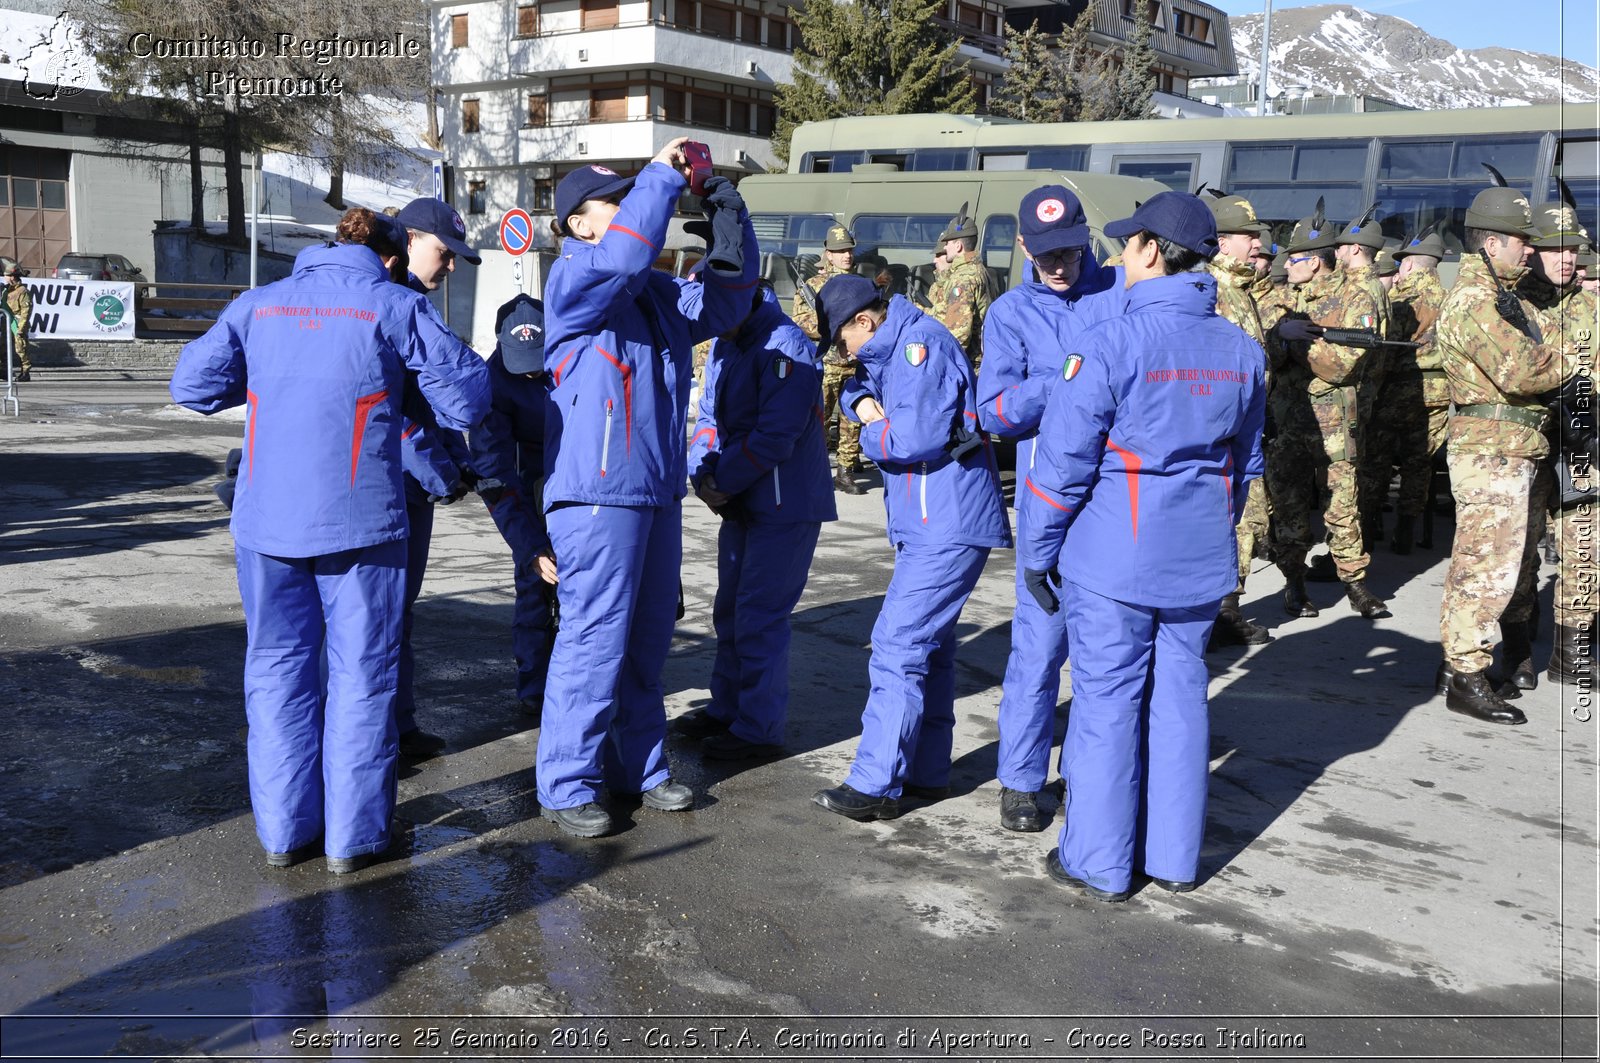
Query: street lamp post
<point x="1266" y="60"/>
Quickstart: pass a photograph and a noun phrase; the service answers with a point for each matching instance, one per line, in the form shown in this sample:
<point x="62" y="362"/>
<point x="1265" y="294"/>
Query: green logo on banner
<point x="108" y="311"/>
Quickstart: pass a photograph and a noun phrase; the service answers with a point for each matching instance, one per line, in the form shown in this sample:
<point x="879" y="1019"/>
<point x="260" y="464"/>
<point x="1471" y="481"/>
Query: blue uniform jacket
<point x="509" y="447"/>
<point x="619" y="341"/>
<point x="760" y="424"/>
<point x="921" y="377"/>
<point x="1027" y="334"/>
<point x="1145" y="450"/>
<point x="433" y="457"/>
<point x="321" y="358"/>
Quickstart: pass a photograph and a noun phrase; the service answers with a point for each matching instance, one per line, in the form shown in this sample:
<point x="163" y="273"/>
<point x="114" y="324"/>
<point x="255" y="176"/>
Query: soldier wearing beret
<point x="1498" y="362"/>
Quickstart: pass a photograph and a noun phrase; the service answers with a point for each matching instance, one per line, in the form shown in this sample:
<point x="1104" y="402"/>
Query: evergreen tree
<point x="1032" y="88"/>
<point x="1136" y="80"/>
<point x="870" y="57"/>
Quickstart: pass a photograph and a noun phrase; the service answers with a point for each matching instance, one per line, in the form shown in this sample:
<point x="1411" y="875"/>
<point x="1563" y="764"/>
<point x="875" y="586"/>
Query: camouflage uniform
<point x="838" y="369"/>
<point x="1497" y="444"/>
<point x="1312" y="462"/>
<point x="960" y="300"/>
<point x="1235" y="281"/>
<point x="1566" y="317"/>
<point x="1374" y="367"/>
<point x="1413" y="408"/>
<point x="19" y="304"/>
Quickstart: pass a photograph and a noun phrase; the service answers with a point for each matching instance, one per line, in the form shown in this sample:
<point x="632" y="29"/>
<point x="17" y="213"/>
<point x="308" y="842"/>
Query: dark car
<point x="86" y="265"/>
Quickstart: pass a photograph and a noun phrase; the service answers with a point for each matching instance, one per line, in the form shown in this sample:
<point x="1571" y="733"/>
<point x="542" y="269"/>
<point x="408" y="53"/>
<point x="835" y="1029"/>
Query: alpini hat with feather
<point x="1313" y="233"/>
<point x="1501" y="209"/>
<point x="961" y="226"/>
<point x="1427" y="242"/>
<point x="1363" y="232"/>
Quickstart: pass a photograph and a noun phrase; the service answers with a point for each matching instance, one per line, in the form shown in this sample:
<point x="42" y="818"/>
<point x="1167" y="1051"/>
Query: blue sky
<point x="1558" y="27"/>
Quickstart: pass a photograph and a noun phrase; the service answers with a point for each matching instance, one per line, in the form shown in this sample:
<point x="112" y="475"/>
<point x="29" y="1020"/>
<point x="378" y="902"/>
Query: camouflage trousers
<point x="1525" y="599"/>
<point x="1252" y="528"/>
<point x="1406" y="433"/>
<point x="1578" y="575"/>
<point x="1301" y="482"/>
<point x="834" y="378"/>
<point x="1496" y="546"/>
<point x="19" y="343"/>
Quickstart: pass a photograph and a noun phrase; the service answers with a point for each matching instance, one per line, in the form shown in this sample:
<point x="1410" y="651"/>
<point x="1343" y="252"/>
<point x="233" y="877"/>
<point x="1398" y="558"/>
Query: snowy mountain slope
<point x="1340" y="49"/>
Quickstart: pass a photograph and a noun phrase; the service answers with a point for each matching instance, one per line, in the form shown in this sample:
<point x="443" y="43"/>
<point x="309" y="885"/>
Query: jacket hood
<point x="354" y="257"/>
<point x="903" y="314"/>
<point x="766" y="317"/>
<point x="1182" y="293"/>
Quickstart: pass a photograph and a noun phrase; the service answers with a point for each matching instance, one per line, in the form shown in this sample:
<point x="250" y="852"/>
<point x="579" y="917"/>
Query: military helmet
<point x="1557" y="226"/>
<point x="1280" y="268"/>
<point x="1312" y="234"/>
<point x="1363" y="232"/>
<point x="1427" y="242"/>
<point x="1234" y="214"/>
<point x="1501" y="210"/>
<point x="960" y="226"/>
<point x="839" y="239"/>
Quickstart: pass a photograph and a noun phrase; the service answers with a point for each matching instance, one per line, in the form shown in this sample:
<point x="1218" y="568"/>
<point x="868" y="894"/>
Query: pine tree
<point x="1136" y="79"/>
<point x="1032" y="88"/>
<point x="870" y="57"/>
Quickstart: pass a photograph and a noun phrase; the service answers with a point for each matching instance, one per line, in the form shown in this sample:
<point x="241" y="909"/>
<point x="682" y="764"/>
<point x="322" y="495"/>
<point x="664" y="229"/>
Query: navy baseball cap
<point x="390" y="230"/>
<point x="1175" y="216"/>
<point x="1051" y="218"/>
<point x="438" y="218"/>
<point x="586" y="183"/>
<point x="519" y="326"/>
<point x="841" y="299"/>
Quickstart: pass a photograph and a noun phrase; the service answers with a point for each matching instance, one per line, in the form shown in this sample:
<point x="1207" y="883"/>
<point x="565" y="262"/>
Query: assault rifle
<point x="1365" y="339"/>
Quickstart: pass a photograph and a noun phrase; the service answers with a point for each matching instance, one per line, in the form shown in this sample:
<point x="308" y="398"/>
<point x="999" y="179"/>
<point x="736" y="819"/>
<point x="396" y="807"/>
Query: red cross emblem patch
<point x="1050" y="210"/>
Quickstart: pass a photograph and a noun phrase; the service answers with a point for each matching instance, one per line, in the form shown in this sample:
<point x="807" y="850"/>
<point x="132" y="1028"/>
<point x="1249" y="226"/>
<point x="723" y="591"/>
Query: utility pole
<point x="1266" y="61"/>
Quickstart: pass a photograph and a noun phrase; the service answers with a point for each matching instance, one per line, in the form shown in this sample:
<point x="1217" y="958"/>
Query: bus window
<point x="1073" y="158"/>
<point x="999" y="241"/>
<point x="830" y="162"/>
<point x="1409" y="160"/>
<point x="1578" y="164"/>
<point x="1512" y="157"/>
<point x="1283" y="181"/>
<point x="1003" y="160"/>
<point x="1432" y="182"/>
<point x="941" y="159"/>
<point x="784" y="240"/>
<point x="898" y="243"/>
<point x="1176" y="173"/>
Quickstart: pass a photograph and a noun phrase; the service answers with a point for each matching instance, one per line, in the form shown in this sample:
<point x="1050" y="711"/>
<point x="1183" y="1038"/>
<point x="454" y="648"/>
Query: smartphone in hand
<point x="698" y="157"/>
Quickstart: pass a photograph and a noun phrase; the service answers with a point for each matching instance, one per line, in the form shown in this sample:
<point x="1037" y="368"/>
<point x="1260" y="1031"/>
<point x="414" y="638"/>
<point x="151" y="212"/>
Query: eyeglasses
<point x="1295" y="260"/>
<point x="1055" y="259"/>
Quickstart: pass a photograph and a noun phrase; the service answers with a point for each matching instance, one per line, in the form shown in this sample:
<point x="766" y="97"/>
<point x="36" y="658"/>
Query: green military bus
<point x="1420" y="167"/>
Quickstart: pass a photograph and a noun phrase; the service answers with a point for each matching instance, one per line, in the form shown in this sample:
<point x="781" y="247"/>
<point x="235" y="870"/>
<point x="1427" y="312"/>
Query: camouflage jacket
<point x="1272" y="300"/>
<point x="806" y="318"/>
<point x="1320" y="367"/>
<point x="1376" y="363"/>
<point x="1489" y="361"/>
<point x="1235" y="303"/>
<point x="19" y="302"/>
<point x="1414" y="305"/>
<point x="1565" y="315"/>
<point x="960" y="300"/>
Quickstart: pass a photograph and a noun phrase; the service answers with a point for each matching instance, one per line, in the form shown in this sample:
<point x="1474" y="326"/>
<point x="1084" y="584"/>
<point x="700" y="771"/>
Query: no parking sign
<point x="516" y="232"/>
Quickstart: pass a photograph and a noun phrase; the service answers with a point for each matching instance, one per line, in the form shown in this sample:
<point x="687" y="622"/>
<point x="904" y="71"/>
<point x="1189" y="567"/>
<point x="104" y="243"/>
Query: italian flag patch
<point x="1074" y="363"/>
<point x="916" y="353"/>
<point x="781" y="367"/>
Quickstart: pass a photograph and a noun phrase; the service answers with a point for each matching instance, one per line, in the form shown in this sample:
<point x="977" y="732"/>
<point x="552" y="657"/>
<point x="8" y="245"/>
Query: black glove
<point x="1039" y="581"/>
<point x="700" y="230"/>
<point x="489" y="489"/>
<point x="724" y="208"/>
<point x="458" y="491"/>
<point x="962" y="442"/>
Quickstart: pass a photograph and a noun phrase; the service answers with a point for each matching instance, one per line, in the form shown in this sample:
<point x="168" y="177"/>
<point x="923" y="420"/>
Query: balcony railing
<point x="663" y="23"/>
<point x="990" y="43"/>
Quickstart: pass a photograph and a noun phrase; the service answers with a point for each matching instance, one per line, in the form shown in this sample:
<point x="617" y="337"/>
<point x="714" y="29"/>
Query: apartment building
<point x="531" y="89"/>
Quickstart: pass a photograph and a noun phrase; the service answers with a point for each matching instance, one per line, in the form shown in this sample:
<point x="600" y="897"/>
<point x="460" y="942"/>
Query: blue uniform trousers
<point x="907" y="727"/>
<point x="1027" y="716"/>
<point x="322" y="761"/>
<point x="533" y="632"/>
<point x="604" y="717"/>
<point x="1136" y="754"/>
<point x="419" y="515"/>
<point x="761" y="573"/>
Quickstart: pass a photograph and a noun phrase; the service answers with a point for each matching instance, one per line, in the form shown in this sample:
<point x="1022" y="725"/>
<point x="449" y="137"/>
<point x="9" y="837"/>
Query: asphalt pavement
<point x="1381" y="878"/>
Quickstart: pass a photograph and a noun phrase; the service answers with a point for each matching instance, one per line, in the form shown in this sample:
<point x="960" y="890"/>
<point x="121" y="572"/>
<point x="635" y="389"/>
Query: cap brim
<point x="1056" y="239"/>
<point x="1122" y="228"/>
<point x="519" y="361"/>
<point x="461" y="250"/>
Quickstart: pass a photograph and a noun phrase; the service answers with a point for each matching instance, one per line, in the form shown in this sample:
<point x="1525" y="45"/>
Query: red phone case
<point x="699" y="158"/>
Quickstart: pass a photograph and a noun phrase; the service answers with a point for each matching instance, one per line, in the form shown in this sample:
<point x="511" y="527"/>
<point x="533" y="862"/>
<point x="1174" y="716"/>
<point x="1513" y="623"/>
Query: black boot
<point x="1232" y="629"/>
<point x="1364" y="601"/>
<point x="1295" y="600"/>
<point x="1471" y="695"/>
<point x="1405" y="529"/>
<point x="1322" y="569"/>
<point x="1441" y="683"/>
<point x="845" y="480"/>
<point x="1372" y="530"/>
<point x="1517" y="649"/>
<point x="1570" y="662"/>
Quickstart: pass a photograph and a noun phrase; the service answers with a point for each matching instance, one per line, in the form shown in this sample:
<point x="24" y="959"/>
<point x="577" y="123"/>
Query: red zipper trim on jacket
<point x="1133" y="464"/>
<point x="364" y="406"/>
<point x="250" y="436"/>
<point x="556" y="376"/>
<point x="627" y="394"/>
<point x="614" y="227"/>
<point x="999" y="401"/>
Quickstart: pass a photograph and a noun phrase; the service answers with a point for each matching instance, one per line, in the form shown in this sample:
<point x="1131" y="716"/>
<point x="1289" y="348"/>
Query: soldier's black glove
<point x="1041" y="583"/>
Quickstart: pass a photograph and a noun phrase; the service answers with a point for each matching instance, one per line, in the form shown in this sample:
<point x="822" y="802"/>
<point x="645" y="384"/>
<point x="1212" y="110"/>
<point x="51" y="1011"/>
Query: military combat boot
<point x="1405" y="529"/>
<point x="1517" y="648"/>
<point x="1232" y="629"/>
<point x="1295" y="600"/>
<point x="1570" y="662"/>
<point x="845" y="480"/>
<point x="1471" y="695"/>
<point x="1441" y="683"/>
<point x="1322" y="569"/>
<point x="1372" y="530"/>
<point x="1364" y="601"/>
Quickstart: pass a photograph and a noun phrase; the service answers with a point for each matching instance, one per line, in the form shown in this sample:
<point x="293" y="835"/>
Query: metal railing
<point x="207" y="307"/>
